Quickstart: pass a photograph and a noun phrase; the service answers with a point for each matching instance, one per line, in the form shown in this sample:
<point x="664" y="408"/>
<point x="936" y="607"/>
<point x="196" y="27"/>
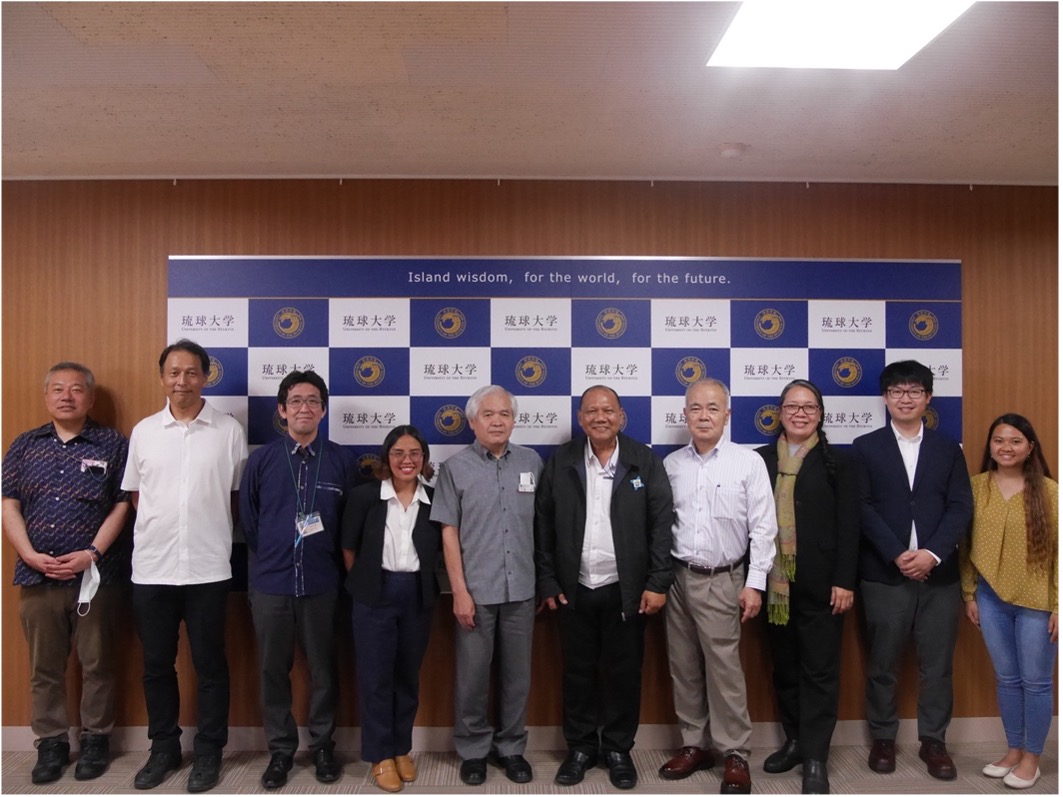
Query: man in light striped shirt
<point x="724" y="507"/>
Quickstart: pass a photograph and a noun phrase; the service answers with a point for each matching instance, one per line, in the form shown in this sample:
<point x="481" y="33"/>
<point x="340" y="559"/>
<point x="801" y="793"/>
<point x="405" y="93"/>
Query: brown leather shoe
<point x="883" y="756"/>
<point x="686" y="762"/>
<point x="406" y="768"/>
<point x="938" y="761"/>
<point x="386" y="776"/>
<point x="735" y="776"/>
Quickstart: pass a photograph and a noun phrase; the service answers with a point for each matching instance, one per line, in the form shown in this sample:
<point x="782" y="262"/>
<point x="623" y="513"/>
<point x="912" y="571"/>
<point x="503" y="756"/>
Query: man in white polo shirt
<point x="183" y="469"/>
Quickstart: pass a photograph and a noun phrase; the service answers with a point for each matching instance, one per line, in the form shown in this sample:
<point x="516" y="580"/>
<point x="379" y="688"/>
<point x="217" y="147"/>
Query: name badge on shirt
<point x="96" y="466"/>
<point x="309" y="524"/>
<point x="527" y="482"/>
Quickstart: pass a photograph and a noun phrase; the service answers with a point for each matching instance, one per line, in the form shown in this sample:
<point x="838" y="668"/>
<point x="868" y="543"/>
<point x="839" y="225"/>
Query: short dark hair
<point x="190" y="346"/>
<point x="583" y="395"/>
<point x="906" y="372"/>
<point x="382" y="470"/>
<point x="300" y="378"/>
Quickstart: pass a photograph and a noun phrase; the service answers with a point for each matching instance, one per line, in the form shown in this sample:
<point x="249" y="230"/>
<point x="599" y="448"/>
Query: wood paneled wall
<point x="84" y="278"/>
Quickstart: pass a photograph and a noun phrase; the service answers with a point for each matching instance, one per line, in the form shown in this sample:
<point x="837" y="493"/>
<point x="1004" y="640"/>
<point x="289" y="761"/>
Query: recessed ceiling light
<point x="833" y="34"/>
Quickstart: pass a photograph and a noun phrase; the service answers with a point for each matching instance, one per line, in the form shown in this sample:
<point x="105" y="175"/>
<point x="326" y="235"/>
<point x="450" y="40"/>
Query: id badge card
<point x="309" y="524"/>
<point x="94" y="466"/>
<point x="527" y="482"/>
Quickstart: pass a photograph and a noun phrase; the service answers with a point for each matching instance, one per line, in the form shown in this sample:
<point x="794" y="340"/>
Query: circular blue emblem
<point x="450" y="420"/>
<point x="369" y="371"/>
<point x="531" y="371"/>
<point x="216" y="372"/>
<point x="689" y="370"/>
<point x="767" y="420"/>
<point x="450" y="322"/>
<point x="923" y="325"/>
<point x="847" y="372"/>
<point x="611" y="323"/>
<point x="288" y="322"/>
<point x="769" y="323"/>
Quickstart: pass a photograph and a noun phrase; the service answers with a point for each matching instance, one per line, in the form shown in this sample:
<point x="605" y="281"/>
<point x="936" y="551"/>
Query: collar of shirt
<point x="89" y="432"/>
<point x="714" y="452"/>
<point x="296" y="445"/>
<point x="903" y="439"/>
<point x="387" y="492"/>
<point x="484" y="454"/>
<point x="206" y="415"/>
<point x="592" y="462"/>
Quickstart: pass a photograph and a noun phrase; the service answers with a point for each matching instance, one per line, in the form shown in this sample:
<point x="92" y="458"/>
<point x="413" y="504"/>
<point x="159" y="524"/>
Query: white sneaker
<point x="993" y="771"/>
<point x="1015" y="782"/>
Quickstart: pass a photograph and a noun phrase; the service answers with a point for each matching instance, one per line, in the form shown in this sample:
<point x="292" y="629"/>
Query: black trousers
<point x="159" y="610"/>
<point x="602" y="681"/>
<point x="806" y="671"/>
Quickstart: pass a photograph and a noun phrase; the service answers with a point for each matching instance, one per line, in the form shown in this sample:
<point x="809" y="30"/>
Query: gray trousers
<point x="281" y="621"/>
<point x="929" y="614"/>
<point x="509" y="626"/>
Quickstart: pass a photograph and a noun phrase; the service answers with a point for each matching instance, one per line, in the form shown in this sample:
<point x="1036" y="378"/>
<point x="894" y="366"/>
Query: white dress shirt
<point x="597" y="564"/>
<point x="185" y="474"/>
<point x="723" y="505"/>
<point x="909" y="447"/>
<point x="399" y="554"/>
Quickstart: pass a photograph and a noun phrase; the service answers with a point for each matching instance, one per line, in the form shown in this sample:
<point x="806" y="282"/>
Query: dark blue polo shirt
<point x="66" y="491"/>
<point x="281" y="480"/>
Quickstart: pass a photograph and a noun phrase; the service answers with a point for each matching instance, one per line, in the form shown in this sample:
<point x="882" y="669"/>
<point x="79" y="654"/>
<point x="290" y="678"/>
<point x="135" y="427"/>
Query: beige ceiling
<point x="518" y="90"/>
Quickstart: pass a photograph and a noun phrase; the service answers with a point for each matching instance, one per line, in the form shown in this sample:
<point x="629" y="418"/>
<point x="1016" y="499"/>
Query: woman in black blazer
<point x="390" y="549"/>
<point x="811" y="584"/>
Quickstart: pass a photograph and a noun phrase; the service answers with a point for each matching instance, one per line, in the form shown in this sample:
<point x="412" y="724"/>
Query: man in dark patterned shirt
<point x="63" y="510"/>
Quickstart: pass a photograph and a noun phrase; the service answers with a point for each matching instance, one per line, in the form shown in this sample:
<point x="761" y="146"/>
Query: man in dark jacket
<point x="603" y="536"/>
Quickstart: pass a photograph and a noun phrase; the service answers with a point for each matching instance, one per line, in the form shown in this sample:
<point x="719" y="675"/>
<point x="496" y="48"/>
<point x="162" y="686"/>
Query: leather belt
<point x="705" y="571"/>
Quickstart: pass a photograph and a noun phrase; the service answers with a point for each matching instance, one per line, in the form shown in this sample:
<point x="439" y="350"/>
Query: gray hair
<point x="472" y="406"/>
<point x="67" y="365"/>
<point x="708" y="381"/>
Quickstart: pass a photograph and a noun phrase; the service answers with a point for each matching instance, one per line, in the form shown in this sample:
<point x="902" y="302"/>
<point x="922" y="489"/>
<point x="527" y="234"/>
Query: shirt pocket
<point x="729" y="504"/>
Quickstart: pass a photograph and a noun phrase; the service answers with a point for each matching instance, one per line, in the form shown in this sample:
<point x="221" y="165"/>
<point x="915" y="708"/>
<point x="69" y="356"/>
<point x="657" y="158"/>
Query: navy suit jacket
<point x="939" y="502"/>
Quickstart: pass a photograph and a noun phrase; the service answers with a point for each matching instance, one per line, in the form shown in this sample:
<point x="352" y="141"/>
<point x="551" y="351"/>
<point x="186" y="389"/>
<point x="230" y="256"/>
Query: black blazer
<point x="364" y="519"/>
<point x="940" y="503"/>
<point x="827" y="512"/>
<point x="641" y="515"/>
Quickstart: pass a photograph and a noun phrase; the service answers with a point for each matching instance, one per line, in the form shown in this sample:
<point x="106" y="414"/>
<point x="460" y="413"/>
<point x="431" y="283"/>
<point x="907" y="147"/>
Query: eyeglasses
<point x="416" y="455"/>
<point x="298" y="402"/>
<point x="807" y="409"/>
<point x="911" y="392"/>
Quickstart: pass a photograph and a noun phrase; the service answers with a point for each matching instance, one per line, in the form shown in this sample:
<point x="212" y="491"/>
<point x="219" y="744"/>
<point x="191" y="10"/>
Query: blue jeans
<point x="1024" y="680"/>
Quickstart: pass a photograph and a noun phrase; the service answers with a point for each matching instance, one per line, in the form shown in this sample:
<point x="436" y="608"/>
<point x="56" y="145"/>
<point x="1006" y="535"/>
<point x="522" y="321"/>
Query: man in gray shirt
<point x="485" y="499"/>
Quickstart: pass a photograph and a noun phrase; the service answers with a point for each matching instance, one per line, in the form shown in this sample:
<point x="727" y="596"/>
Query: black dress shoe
<point x="517" y="768"/>
<point x="276" y="774"/>
<point x="52" y="755"/>
<point x="474" y="771"/>
<point x="206" y="772"/>
<point x="815" y="780"/>
<point x="326" y="768"/>
<point x="95" y="756"/>
<point x="784" y="759"/>
<point x="574" y="767"/>
<point x="622" y="773"/>
<point x="156" y="769"/>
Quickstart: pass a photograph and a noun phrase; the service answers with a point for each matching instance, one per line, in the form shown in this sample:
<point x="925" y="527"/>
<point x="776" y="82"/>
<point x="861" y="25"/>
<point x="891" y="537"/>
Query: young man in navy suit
<point x="915" y="506"/>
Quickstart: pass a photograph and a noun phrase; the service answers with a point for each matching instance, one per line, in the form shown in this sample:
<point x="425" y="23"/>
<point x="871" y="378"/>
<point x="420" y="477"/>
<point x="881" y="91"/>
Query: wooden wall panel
<point x="84" y="277"/>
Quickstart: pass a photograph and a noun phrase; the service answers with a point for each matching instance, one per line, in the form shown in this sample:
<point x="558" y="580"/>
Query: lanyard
<point x="299" y="504"/>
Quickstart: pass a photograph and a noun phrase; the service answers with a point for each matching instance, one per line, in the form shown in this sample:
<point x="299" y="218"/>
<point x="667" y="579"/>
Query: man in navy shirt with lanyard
<point x="291" y="502"/>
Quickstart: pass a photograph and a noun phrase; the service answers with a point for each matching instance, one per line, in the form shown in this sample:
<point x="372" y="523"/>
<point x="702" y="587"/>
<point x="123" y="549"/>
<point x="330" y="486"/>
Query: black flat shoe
<point x="574" y="767"/>
<point x="784" y="759"/>
<point x="622" y="772"/>
<point x="474" y="771"/>
<point x="815" y="780"/>
<point x="158" y="766"/>
<point x="276" y="774"/>
<point x="517" y="768"/>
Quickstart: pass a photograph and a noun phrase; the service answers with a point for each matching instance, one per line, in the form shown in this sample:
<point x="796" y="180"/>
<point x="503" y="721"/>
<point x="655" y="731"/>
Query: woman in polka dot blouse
<point x="1009" y="579"/>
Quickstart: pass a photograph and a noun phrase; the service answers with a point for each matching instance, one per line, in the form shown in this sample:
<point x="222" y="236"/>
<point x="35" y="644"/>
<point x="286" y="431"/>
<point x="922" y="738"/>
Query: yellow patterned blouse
<point x="996" y="549"/>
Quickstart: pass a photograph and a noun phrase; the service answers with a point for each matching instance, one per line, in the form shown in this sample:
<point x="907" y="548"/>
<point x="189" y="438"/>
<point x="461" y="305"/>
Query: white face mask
<point x="90" y="582"/>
